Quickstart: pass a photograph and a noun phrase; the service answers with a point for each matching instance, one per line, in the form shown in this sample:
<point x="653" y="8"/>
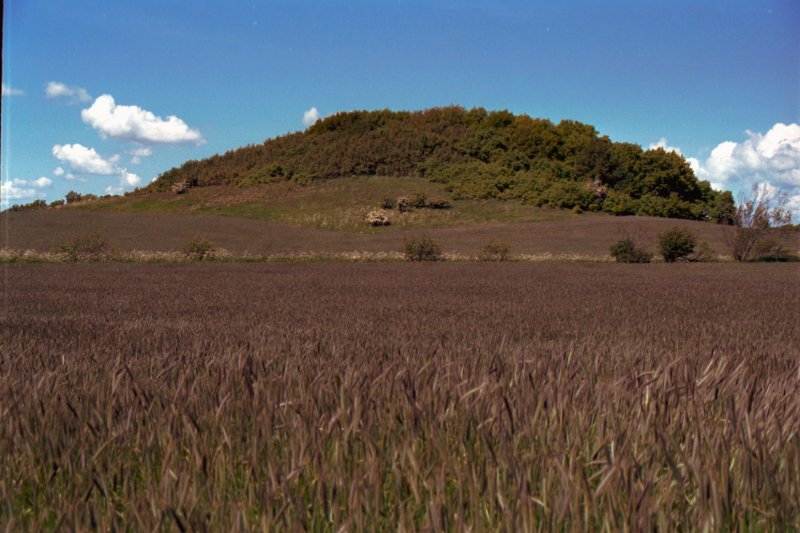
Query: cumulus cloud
<point x="139" y="153"/>
<point x="11" y="91"/>
<point x="664" y="145"/>
<point x="311" y="116"/>
<point x="17" y="189"/>
<point x="83" y="159"/>
<point x="132" y="123"/>
<point x="129" y="178"/>
<point x="74" y="95"/>
<point x="768" y="160"/>
<point x="127" y="181"/>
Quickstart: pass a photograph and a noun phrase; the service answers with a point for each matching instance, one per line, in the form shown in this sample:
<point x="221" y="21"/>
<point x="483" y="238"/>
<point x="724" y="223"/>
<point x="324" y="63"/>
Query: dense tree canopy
<point x="477" y="154"/>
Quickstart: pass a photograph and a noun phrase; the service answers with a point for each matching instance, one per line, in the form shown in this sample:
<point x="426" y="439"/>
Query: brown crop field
<point x="450" y="396"/>
<point x="588" y="235"/>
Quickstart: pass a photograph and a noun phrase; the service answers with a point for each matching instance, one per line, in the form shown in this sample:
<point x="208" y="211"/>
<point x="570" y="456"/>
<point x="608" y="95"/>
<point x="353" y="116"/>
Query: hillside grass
<point x="338" y="204"/>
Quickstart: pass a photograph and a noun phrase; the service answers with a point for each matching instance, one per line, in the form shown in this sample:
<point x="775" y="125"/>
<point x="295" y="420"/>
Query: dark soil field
<point x="508" y="396"/>
<point x="587" y="235"/>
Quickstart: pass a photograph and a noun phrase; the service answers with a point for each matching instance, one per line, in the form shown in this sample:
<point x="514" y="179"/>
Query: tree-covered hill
<point x="476" y="154"/>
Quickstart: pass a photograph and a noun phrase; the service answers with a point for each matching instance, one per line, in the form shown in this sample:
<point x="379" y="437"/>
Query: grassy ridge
<point x="339" y="204"/>
<point x="486" y="397"/>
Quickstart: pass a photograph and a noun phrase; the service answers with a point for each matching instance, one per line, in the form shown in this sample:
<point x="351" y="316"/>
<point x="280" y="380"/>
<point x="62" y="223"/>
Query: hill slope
<point x="474" y="154"/>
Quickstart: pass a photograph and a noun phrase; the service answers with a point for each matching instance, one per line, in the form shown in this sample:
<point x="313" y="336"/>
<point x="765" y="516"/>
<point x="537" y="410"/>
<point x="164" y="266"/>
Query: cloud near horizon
<point x="132" y="123"/>
<point x="768" y="160"/>
<point x="7" y="90"/>
<point x="82" y="159"/>
<point x="74" y="95"/>
<point x="85" y="160"/>
<point x="17" y="189"/>
<point x="311" y="116"/>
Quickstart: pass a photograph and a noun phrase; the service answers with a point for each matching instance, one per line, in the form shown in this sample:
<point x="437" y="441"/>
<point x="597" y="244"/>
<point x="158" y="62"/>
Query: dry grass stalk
<point x="511" y="397"/>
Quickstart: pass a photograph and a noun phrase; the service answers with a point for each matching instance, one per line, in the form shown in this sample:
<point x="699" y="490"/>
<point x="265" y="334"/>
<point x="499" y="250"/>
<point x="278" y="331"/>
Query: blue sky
<point x="89" y="86"/>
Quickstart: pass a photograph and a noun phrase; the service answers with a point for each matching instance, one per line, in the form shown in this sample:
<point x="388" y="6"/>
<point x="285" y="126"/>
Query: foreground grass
<point x="438" y="397"/>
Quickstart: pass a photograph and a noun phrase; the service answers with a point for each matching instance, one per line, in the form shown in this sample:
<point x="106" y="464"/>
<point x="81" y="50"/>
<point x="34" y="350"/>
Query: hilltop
<point x="474" y="154"/>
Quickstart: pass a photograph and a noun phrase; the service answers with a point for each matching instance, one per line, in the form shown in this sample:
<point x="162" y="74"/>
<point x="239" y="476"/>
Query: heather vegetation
<point x="400" y="397"/>
<point x="475" y="154"/>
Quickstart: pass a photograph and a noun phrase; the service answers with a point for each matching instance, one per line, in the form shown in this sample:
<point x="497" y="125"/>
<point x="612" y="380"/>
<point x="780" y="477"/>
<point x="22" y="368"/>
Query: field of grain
<point x="400" y="396"/>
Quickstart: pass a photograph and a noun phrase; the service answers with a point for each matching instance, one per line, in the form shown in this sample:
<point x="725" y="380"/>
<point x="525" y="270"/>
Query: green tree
<point x="421" y="248"/>
<point x="676" y="243"/>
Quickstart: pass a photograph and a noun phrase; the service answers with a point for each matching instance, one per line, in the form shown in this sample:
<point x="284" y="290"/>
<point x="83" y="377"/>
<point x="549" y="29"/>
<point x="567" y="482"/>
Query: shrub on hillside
<point x="89" y="247"/>
<point x="676" y="243"/>
<point x="438" y="203"/>
<point x="757" y="220"/>
<point x="421" y="249"/>
<point x="619" y="204"/>
<point x="568" y="194"/>
<point x="199" y="248"/>
<point x="403" y="204"/>
<point x="74" y="197"/>
<point x="496" y="252"/>
<point x="419" y="201"/>
<point x="626" y="251"/>
<point x="770" y="251"/>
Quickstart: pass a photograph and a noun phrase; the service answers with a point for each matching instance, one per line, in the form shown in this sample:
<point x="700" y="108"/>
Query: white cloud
<point x="83" y="159"/>
<point x="17" y="189"/>
<point x="770" y="160"/>
<point x="132" y="123"/>
<point x="58" y="171"/>
<point x="86" y="160"/>
<point x="7" y="90"/>
<point x="127" y="181"/>
<point x="311" y="116"/>
<point x="74" y="95"/>
<point x="139" y="153"/>
<point x="664" y="145"/>
<point x="129" y="178"/>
